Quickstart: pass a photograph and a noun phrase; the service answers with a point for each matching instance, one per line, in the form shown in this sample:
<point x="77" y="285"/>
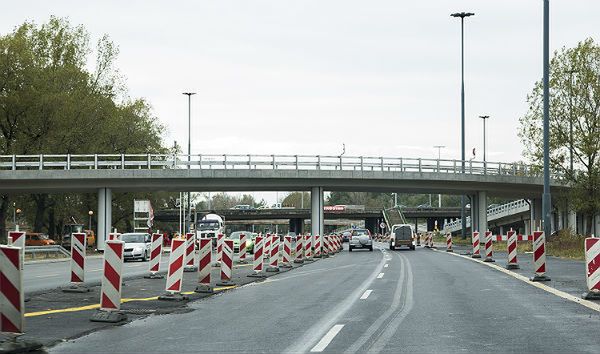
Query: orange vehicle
<point x="37" y="239"/>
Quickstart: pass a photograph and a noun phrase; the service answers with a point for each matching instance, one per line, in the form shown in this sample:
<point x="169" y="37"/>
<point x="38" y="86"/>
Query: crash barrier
<point x="539" y="256"/>
<point x="299" y="252"/>
<point x="512" y="250"/>
<point x="190" y="253"/>
<point x="592" y="262"/>
<point x="204" y="266"/>
<point x="274" y="255"/>
<point x="12" y="302"/>
<point x="227" y="263"/>
<point x="220" y="239"/>
<point x="110" y="298"/>
<point x="317" y="246"/>
<point x="267" y="248"/>
<point x="78" y="246"/>
<point x="475" y="243"/>
<point x="307" y="247"/>
<point x="155" y="256"/>
<point x="34" y="250"/>
<point x="175" y="272"/>
<point x="242" y="251"/>
<point x="489" y="248"/>
<point x="287" y="252"/>
<point x="257" y="265"/>
<point x="449" y="242"/>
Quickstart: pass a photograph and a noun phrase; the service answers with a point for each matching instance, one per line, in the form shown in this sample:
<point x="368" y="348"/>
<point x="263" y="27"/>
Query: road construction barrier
<point x="190" y="253"/>
<point x="17" y="239"/>
<point x="449" y="242"/>
<point x="267" y="248"/>
<point x="78" y="243"/>
<point x="592" y="262"/>
<point x="539" y="256"/>
<point x="519" y="238"/>
<point x="242" y="251"/>
<point x="475" y="243"/>
<point x="307" y="248"/>
<point x="110" y="298"/>
<point x="175" y="272"/>
<point x="317" y="246"/>
<point x="220" y="239"/>
<point x="113" y="236"/>
<point x="257" y="266"/>
<point x="489" y="247"/>
<point x="12" y="302"/>
<point x="227" y="263"/>
<point x="156" y="244"/>
<point x="325" y="248"/>
<point x="204" y="266"/>
<point x="330" y="245"/>
<point x="299" y="253"/>
<point x="512" y="250"/>
<point x="287" y="252"/>
<point x="274" y="256"/>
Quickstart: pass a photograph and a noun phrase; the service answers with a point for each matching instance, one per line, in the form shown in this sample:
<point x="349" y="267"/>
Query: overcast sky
<point x="303" y="77"/>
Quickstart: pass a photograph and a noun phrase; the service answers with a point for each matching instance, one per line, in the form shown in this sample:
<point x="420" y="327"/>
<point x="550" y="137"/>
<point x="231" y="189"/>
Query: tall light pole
<point x="90" y="213"/>
<point x="571" y="83"/>
<point x="439" y="147"/>
<point x="189" y="200"/>
<point x="546" y="198"/>
<point x="462" y="16"/>
<point x="484" y="118"/>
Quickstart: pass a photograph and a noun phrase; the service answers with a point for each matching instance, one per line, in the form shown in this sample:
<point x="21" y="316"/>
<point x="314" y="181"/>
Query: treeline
<point x="51" y="103"/>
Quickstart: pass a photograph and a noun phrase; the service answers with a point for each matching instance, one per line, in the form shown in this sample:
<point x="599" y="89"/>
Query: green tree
<point x="297" y="200"/>
<point x="574" y="124"/>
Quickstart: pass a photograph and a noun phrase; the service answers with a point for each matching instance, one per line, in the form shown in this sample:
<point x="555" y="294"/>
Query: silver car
<point x="360" y="238"/>
<point x="137" y="246"/>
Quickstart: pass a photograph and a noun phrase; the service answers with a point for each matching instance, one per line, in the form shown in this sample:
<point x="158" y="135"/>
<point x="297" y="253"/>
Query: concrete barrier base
<point x="489" y="260"/>
<point x="190" y="269"/>
<point x="14" y="345"/>
<point x="272" y="269"/>
<point x="475" y="256"/>
<point x="539" y="278"/>
<point x="286" y="266"/>
<point x="76" y="289"/>
<point x="591" y="295"/>
<point x="257" y="275"/>
<point x="299" y="261"/>
<point x="225" y="283"/>
<point x="204" y="289"/>
<point x="154" y="276"/>
<point x="449" y="250"/>
<point x="108" y="316"/>
<point x="512" y="266"/>
<point x="173" y="297"/>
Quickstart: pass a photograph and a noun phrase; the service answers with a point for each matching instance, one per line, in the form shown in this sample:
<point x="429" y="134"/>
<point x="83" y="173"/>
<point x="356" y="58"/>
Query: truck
<point x="402" y="235"/>
<point x="209" y="227"/>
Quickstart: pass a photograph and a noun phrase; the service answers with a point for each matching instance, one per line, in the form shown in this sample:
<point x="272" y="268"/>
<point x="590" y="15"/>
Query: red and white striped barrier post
<point x="539" y="256"/>
<point x="204" y="266"/>
<point x="242" y="251"/>
<point x="220" y="239"/>
<point x="110" y="293"/>
<point x="427" y="241"/>
<point x="175" y="272"/>
<point x="331" y="242"/>
<point x="287" y="252"/>
<point x="512" y="250"/>
<point x="267" y="248"/>
<point x="308" y="248"/>
<point x="227" y="264"/>
<point x="449" y="242"/>
<point x="78" y="243"/>
<point x="257" y="265"/>
<point x="299" y="254"/>
<point x="17" y="239"/>
<point x="113" y="236"/>
<point x="12" y="301"/>
<point x="325" y="249"/>
<point x="318" y="250"/>
<point x="475" y="243"/>
<point x="155" y="256"/>
<point x="489" y="247"/>
<point x="592" y="262"/>
<point x="274" y="256"/>
<point x="190" y="253"/>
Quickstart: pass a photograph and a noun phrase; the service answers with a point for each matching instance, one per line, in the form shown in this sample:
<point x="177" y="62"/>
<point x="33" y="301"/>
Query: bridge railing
<point x="261" y="162"/>
<point x="514" y="207"/>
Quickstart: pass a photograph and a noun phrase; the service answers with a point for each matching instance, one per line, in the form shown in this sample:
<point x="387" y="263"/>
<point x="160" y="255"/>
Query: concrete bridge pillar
<point x="482" y="223"/>
<point x="536" y="214"/>
<point x="474" y="213"/>
<point x="572" y="221"/>
<point x="297" y="225"/>
<point x="316" y="210"/>
<point x="372" y="224"/>
<point x="104" y="216"/>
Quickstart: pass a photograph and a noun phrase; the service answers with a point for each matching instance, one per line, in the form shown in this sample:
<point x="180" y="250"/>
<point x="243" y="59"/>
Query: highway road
<point x="382" y="301"/>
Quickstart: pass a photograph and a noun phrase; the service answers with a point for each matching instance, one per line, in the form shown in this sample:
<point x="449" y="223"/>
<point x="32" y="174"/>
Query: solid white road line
<point x="385" y="266"/>
<point x="366" y="294"/>
<point x="327" y="338"/>
<point x="380" y="275"/>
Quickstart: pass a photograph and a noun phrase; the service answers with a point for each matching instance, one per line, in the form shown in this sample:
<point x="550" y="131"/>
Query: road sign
<point x="382" y="225"/>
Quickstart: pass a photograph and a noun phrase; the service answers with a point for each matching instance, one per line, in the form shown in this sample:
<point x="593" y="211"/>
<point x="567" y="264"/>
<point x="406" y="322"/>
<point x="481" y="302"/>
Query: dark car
<point x="346" y="236"/>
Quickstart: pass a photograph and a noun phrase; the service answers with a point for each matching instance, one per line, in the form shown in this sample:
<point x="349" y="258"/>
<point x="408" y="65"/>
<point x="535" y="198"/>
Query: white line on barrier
<point x="324" y="342"/>
<point x="589" y="304"/>
<point x="366" y="294"/>
<point x="380" y="275"/>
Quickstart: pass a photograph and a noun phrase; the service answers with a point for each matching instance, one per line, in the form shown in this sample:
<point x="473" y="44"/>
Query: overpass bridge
<point x="156" y="172"/>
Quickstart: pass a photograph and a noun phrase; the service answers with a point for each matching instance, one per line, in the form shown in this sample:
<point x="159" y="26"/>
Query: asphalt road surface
<point x="381" y="301"/>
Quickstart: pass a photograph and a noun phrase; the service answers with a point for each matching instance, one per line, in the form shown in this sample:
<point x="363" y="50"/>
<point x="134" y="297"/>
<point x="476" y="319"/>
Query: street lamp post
<point x="189" y="200"/>
<point x="462" y="16"/>
<point x="90" y="213"/>
<point x="439" y="147"/>
<point x="546" y="198"/>
<point x="484" y="118"/>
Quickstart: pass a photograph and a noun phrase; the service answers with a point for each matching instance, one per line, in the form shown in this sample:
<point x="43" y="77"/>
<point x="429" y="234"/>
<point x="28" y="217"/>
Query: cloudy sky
<point x="303" y="77"/>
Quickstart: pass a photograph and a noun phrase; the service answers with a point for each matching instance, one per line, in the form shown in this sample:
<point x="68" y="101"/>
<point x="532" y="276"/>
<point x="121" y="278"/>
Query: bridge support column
<point x="572" y="221"/>
<point x="104" y="216"/>
<point x="536" y="214"/>
<point x="372" y="225"/>
<point x="316" y="210"/>
<point x="474" y="213"/>
<point x="297" y="226"/>
<point x="482" y="223"/>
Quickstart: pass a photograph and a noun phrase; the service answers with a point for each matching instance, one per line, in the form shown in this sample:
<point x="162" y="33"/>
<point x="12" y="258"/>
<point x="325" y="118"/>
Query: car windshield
<point x="360" y="232"/>
<point x="133" y="238"/>
<point x="208" y="225"/>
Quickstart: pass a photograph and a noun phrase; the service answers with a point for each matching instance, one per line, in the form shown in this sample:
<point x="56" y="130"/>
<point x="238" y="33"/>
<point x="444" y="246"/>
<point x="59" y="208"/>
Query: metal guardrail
<point x="47" y="249"/>
<point x="514" y="207"/>
<point x="261" y="162"/>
